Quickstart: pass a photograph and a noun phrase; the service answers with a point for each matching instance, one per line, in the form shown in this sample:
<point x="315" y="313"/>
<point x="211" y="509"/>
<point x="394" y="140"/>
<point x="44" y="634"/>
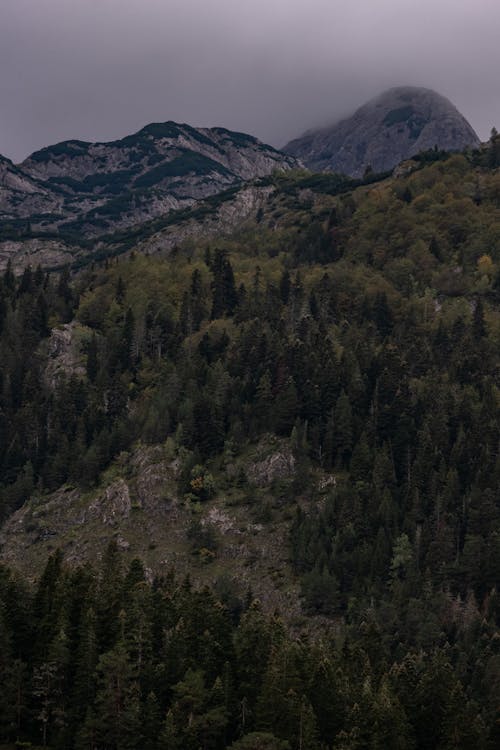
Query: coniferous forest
<point x="360" y="326"/>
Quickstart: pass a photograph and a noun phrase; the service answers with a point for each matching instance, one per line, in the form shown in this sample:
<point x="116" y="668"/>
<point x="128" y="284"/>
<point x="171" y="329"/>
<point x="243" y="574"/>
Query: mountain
<point x="246" y="333"/>
<point x="393" y="127"/>
<point x="249" y="487"/>
<point x="75" y="190"/>
<point x="22" y="195"/>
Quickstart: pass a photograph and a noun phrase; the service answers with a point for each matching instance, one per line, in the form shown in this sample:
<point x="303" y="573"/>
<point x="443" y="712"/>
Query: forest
<point x="362" y="328"/>
<point x="105" y="659"/>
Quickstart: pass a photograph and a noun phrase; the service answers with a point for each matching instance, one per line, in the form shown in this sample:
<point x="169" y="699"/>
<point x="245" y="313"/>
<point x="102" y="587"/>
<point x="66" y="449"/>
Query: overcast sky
<point x="101" y="69"/>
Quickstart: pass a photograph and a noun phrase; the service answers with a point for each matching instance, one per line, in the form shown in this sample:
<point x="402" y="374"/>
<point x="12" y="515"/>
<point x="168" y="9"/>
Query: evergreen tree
<point x="117" y="714"/>
<point x="224" y="296"/>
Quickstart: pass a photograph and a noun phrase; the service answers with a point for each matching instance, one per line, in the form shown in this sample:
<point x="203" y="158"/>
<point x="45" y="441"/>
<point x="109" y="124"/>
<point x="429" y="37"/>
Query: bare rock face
<point x="100" y="187"/>
<point x="216" y="221"/>
<point x="279" y="465"/>
<point x="113" y="505"/>
<point x="61" y="202"/>
<point x="387" y="130"/>
<point x="136" y="505"/>
<point x="21" y="194"/>
<point x="32" y="251"/>
<point x="65" y="353"/>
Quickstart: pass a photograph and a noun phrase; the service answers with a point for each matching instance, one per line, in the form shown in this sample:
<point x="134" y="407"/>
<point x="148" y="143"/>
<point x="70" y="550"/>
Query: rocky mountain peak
<point x="393" y="126"/>
<point x="92" y="189"/>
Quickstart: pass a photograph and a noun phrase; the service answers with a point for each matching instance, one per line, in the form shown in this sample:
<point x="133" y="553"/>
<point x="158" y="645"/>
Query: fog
<point x="101" y="69"/>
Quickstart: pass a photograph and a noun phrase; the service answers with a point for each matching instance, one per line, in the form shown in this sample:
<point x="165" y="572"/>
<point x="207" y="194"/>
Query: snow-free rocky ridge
<point x="388" y="129"/>
<point x="77" y="190"/>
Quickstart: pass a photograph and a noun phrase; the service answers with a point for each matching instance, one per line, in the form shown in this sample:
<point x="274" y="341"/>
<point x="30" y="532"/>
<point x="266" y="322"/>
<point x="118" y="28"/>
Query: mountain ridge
<point x="78" y="199"/>
<point x="93" y="188"/>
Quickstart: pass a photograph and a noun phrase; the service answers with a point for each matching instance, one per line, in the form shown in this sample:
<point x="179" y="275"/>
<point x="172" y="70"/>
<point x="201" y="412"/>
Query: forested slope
<point x="360" y="329"/>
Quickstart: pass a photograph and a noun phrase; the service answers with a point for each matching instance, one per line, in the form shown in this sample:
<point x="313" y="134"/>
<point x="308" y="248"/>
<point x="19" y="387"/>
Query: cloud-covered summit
<point x="393" y="126"/>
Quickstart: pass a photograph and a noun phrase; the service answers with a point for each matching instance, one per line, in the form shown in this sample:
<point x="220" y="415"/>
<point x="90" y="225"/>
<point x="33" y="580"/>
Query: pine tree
<point x="260" y="741"/>
<point x="285" y="408"/>
<point x="253" y="641"/>
<point x="224" y="296"/>
<point x="7" y="706"/>
<point x="92" y="359"/>
<point x="391" y="729"/>
<point x="343" y="428"/>
<point x="285" y="286"/>
<point x="108" y="602"/>
<point x="86" y="657"/>
<point x="263" y="402"/>
<point x="117" y="716"/>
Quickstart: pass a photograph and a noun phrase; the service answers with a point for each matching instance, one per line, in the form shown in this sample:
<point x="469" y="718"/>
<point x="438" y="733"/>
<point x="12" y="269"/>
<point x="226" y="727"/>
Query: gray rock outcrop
<point x="392" y="127"/>
<point x="279" y="465"/>
<point x="77" y="192"/>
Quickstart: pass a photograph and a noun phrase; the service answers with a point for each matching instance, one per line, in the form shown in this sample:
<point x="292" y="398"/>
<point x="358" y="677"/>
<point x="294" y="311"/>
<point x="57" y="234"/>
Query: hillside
<point x="68" y="195"/>
<point x="385" y="131"/>
<point x="302" y="414"/>
<point x="394" y="263"/>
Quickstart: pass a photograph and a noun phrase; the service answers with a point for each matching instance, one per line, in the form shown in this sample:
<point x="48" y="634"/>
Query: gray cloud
<point x="100" y="69"/>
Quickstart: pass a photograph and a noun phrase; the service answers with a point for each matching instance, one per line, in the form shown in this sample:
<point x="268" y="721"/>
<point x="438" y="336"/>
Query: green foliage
<point x="110" y="659"/>
<point x="402" y="557"/>
<point x="260" y="741"/>
<point x="359" y="328"/>
<point x="240" y="139"/>
<point x="66" y="148"/>
<point x="202" y="484"/>
<point x="189" y="161"/>
<point x="321" y="593"/>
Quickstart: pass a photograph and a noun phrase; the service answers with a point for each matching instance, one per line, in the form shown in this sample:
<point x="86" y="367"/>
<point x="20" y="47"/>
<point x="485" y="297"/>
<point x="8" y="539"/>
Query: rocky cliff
<point x="22" y="195"/>
<point x="140" y="509"/>
<point x="388" y="129"/>
<point x="76" y="189"/>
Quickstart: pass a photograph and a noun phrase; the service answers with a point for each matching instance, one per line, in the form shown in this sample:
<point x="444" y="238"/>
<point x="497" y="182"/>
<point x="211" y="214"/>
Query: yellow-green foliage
<point x="450" y="203"/>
